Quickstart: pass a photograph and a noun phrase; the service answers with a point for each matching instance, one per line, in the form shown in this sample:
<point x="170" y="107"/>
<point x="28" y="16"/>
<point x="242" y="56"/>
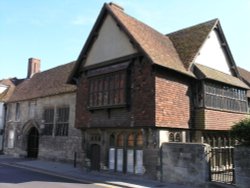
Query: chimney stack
<point x="33" y="67"/>
<point x="116" y="5"/>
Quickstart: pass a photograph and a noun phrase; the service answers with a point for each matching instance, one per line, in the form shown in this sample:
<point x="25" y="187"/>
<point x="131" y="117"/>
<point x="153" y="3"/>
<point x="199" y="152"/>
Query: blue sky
<point x="55" y="30"/>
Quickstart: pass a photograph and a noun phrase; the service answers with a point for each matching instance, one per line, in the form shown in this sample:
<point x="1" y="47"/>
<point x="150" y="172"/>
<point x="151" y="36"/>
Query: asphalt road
<point x="14" y="177"/>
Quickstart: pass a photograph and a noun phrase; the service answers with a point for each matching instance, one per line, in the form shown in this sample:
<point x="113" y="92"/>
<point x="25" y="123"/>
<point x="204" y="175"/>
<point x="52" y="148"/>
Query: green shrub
<point x="241" y="131"/>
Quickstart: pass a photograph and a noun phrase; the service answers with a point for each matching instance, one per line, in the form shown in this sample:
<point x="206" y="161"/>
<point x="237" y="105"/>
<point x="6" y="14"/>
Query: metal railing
<point x="222" y="165"/>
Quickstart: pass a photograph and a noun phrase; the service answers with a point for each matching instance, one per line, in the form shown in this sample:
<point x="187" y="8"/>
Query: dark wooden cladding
<point x="107" y="69"/>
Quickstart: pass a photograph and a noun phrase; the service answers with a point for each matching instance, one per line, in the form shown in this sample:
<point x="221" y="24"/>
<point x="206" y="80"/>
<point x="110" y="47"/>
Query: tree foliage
<point x="241" y="131"/>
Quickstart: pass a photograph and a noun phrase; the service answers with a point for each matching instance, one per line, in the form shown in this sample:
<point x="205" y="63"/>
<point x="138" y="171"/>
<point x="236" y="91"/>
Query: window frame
<point x="224" y="97"/>
<point x="56" y="122"/>
<point x="125" y="155"/>
<point x="62" y="122"/>
<point x="49" y="122"/>
<point x="108" y="90"/>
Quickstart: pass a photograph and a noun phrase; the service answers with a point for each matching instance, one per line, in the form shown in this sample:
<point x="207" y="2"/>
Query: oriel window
<point x="107" y="90"/>
<point x="225" y="97"/>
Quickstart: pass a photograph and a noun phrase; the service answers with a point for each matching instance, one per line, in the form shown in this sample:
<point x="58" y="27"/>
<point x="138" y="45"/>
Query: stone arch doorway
<point x="33" y="143"/>
<point x="95" y="157"/>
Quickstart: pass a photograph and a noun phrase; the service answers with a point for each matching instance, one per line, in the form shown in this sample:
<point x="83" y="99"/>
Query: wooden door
<point x="33" y="143"/>
<point x="95" y="157"/>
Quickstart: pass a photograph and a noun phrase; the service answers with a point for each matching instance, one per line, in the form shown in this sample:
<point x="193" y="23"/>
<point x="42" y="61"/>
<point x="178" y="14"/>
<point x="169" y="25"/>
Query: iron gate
<point x="222" y="165"/>
<point x="222" y="156"/>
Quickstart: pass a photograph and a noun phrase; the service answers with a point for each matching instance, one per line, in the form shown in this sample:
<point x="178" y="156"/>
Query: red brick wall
<point x="216" y="120"/>
<point x="82" y="114"/>
<point x="173" y="104"/>
<point x="143" y="93"/>
<point x="199" y="121"/>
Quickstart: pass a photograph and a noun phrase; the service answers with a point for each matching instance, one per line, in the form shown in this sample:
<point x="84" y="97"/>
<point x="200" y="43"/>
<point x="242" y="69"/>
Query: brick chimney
<point x="33" y="67"/>
<point x="116" y="5"/>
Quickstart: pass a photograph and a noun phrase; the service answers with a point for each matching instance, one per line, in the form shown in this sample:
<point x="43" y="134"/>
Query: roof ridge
<point x="123" y="12"/>
<point x="156" y="46"/>
<point x="193" y="26"/>
<point x="115" y="5"/>
<point x="214" y="69"/>
<point x="214" y="74"/>
<point x="50" y="69"/>
<point x="46" y="83"/>
<point x="244" y="74"/>
<point x="188" y="41"/>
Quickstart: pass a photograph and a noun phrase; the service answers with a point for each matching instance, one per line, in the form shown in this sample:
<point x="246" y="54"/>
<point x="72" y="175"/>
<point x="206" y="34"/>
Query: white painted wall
<point x="163" y="136"/>
<point x="111" y="43"/>
<point x="212" y="55"/>
<point x="2" y="88"/>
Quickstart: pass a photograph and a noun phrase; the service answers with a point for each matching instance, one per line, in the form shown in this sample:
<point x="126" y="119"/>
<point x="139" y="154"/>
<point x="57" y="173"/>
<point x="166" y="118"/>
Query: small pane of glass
<point x="171" y="137"/>
<point x="139" y="139"/>
<point x="112" y="140"/>
<point x="177" y="137"/>
<point x="131" y="140"/>
<point x="120" y="140"/>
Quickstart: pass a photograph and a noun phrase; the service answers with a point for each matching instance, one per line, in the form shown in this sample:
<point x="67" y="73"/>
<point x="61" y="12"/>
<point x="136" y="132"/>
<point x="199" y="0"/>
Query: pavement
<point x="68" y="171"/>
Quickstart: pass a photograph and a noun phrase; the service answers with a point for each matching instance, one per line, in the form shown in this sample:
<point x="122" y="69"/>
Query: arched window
<point x="171" y="137"/>
<point x="11" y="138"/>
<point x="139" y="139"/>
<point x="131" y="140"/>
<point x="120" y="140"/>
<point x="177" y="137"/>
<point x="112" y="140"/>
<point x="112" y="152"/>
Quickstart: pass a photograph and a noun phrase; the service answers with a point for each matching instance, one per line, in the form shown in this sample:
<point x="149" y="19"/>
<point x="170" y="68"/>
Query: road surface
<point x="15" y="177"/>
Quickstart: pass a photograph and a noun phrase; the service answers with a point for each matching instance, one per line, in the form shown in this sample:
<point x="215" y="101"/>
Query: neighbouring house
<point x="219" y="94"/>
<point x="138" y="88"/>
<point x="7" y="87"/>
<point x="41" y="116"/>
<point x="245" y="74"/>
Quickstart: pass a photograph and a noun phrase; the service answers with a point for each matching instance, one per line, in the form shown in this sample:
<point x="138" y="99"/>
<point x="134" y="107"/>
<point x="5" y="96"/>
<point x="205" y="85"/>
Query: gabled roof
<point x="43" y="84"/>
<point x="157" y="47"/>
<point x="204" y="72"/>
<point x="188" y="41"/>
<point x="175" y="51"/>
<point x="10" y="84"/>
<point x="245" y="75"/>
